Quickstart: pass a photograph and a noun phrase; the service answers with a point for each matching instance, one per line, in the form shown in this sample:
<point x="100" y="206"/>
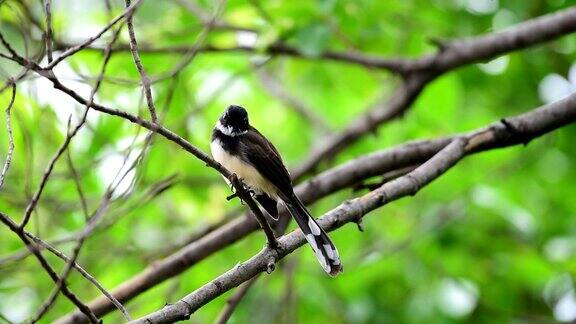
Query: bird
<point x="244" y="151"/>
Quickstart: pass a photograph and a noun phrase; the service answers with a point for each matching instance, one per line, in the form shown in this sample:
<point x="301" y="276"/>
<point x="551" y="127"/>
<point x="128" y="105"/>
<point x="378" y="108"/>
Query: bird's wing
<point x="261" y="154"/>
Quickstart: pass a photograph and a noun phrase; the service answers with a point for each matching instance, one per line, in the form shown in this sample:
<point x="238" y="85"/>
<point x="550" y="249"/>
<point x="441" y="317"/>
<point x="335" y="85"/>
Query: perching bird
<point x="242" y="150"/>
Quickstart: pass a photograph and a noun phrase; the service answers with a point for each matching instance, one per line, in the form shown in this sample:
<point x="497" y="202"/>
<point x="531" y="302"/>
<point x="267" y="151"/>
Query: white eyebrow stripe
<point x="227" y="130"/>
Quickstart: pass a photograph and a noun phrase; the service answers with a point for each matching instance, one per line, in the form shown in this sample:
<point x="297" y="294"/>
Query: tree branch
<point x="10" y="135"/>
<point x="80" y="242"/>
<point x="48" y="34"/>
<point x="419" y="72"/>
<point x="329" y="181"/>
<point x="320" y="186"/>
<point x="128" y="12"/>
<point x="80" y="269"/>
<point x="511" y="131"/>
<point x="454" y="53"/>
<point x="86" y="311"/>
<point x="138" y="62"/>
<point x="415" y="81"/>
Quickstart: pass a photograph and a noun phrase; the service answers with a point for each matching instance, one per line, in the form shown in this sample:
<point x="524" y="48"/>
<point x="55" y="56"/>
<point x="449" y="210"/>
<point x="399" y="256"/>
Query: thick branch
<point x="453" y="53"/>
<point x="508" y="132"/>
<point x="320" y="186"/>
<point x="418" y="73"/>
<point x="382" y="112"/>
<point x="324" y="184"/>
<point x="416" y="80"/>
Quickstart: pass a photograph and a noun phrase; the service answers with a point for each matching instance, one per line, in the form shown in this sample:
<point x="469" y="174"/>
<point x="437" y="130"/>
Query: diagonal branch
<point x="43" y="244"/>
<point x="44" y="263"/>
<point x="329" y="181"/>
<point x="415" y="81"/>
<point x="382" y="112"/>
<point x="418" y="73"/>
<point x="320" y="186"/>
<point x="508" y="132"/>
<point x="452" y="54"/>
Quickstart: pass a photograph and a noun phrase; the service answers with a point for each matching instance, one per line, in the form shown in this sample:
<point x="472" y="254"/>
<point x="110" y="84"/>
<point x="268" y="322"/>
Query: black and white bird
<point x="241" y="149"/>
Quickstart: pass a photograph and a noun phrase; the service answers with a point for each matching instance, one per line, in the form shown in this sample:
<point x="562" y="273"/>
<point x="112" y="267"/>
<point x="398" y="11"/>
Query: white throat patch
<point x="227" y="130"/>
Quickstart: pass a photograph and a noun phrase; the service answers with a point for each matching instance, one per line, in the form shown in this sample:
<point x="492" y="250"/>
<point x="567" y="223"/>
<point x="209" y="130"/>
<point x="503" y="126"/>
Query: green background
<point x="490" y="241"/>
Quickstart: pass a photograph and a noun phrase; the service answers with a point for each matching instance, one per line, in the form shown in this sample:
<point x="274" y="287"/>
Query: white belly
<point x="249" y="175"/>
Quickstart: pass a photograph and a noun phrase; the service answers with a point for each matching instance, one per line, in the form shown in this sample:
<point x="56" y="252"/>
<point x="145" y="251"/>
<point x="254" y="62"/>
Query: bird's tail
<point x="324" y="249"/>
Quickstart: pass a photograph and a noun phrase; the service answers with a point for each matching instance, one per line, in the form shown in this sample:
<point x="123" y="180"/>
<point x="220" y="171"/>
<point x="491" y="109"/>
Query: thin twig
<point x="60" y="283"/>
<point x="81" y="270"/>
<point x="76" y="252"/>
<point x="10" y="136"/>
<point x="77" y="184"/>
<point x="155" y="190"/>
<point x="192" y="51"/>
<point x="48" y="36"/>
<point x="288" y="306"/>
<point x="20" y="232"/>
<point x="138" y="62"/>
<point x="128" y="12"/>
<point x="4" y="319"/>
<point x="34" y="201"/>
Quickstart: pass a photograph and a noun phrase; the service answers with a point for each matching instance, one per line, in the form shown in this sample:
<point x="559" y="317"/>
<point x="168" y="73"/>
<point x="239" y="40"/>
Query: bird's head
<point x="234" y="121"/>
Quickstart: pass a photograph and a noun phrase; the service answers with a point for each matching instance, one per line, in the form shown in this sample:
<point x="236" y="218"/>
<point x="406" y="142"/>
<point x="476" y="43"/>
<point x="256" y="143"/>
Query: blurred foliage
<point x="491" y="241"/>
